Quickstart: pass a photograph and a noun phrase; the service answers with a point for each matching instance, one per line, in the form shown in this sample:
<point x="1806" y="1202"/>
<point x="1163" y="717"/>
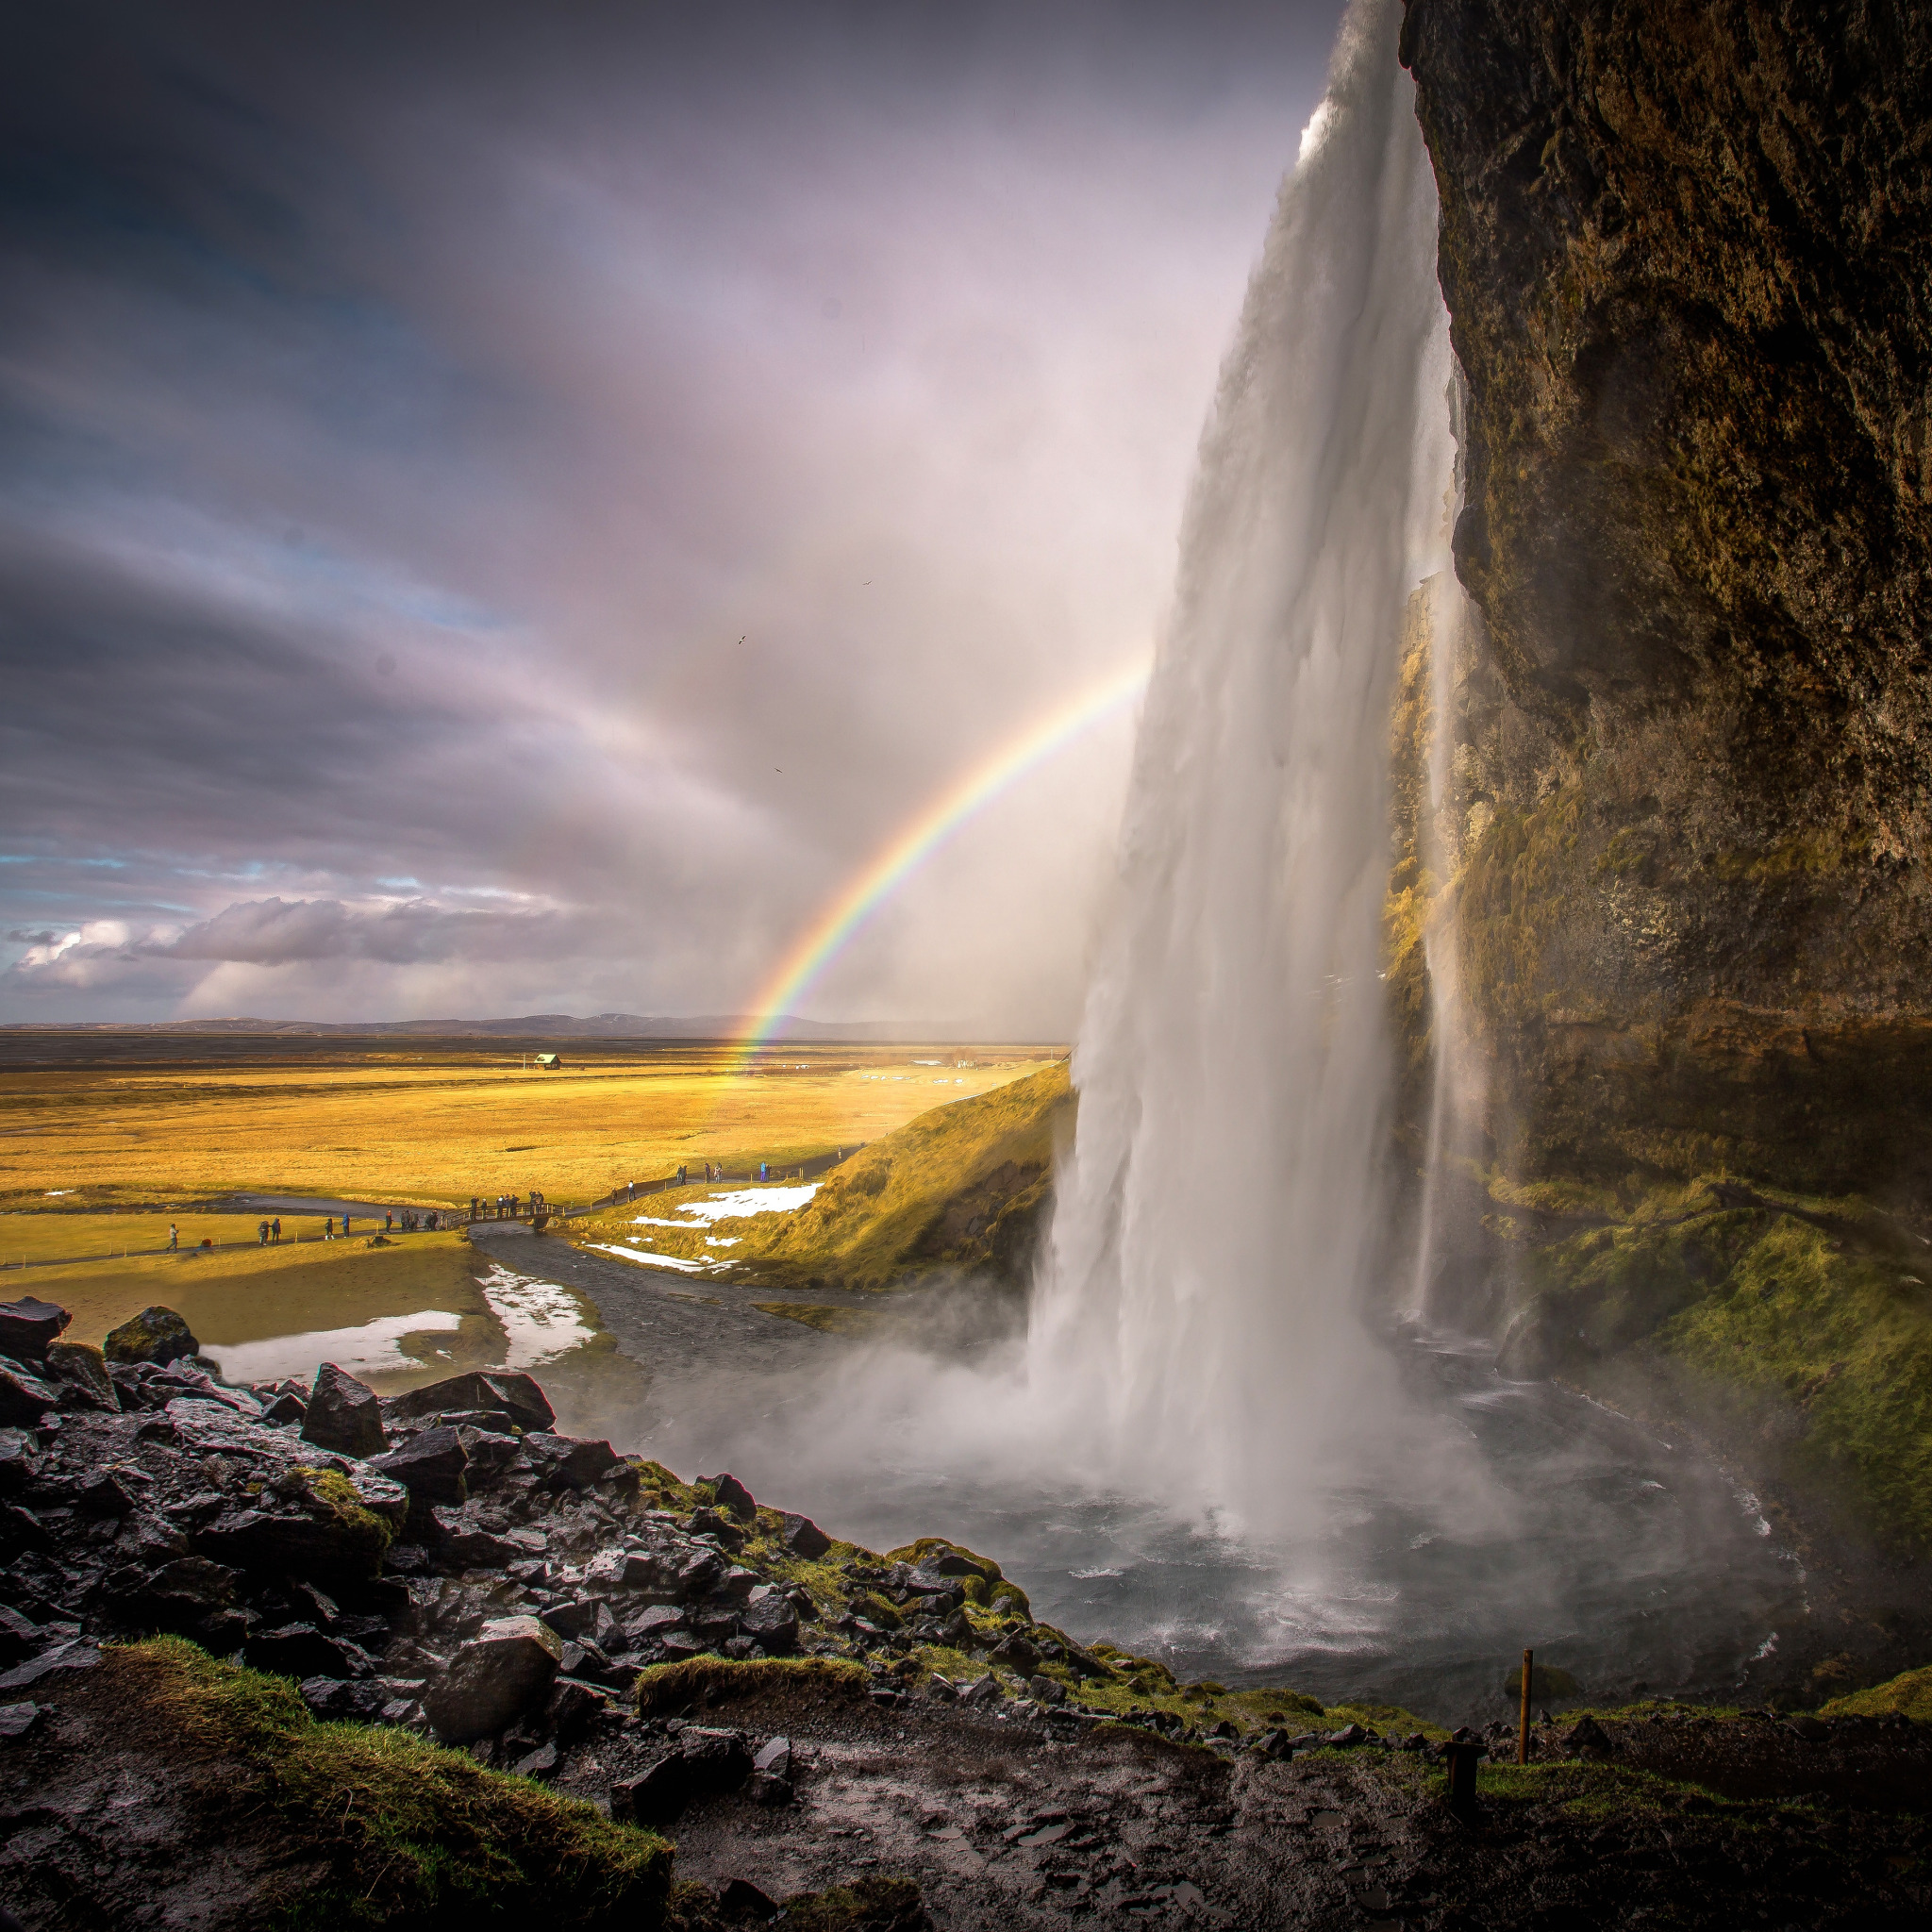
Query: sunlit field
<point x="434" y="1123"/>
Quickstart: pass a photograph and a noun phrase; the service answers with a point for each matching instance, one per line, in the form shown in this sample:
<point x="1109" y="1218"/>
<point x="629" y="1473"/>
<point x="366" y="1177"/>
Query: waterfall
<point x="1227" y="1205"/>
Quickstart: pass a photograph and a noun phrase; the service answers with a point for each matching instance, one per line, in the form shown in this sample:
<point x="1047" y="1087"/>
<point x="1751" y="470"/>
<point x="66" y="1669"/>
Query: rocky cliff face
<point x="1685" y="249"/>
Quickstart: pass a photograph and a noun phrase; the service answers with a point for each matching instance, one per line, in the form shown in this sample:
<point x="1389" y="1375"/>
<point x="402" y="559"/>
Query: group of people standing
<point x="509" y="1206"/>
<point x="267" y="1233"/>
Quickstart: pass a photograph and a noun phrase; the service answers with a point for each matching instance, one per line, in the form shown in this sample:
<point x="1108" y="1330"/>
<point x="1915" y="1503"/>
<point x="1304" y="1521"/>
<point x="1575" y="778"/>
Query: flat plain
<point x="119" y="1121"/>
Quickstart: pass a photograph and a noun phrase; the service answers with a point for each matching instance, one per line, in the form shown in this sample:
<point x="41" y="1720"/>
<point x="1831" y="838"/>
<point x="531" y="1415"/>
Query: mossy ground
<point x="1909" y="1695"/>
<point x="1814" y="1338"/>
<point x="961" y="1187"/>
<point x="394" y="1831"/>
<point x="706" y="1680"/>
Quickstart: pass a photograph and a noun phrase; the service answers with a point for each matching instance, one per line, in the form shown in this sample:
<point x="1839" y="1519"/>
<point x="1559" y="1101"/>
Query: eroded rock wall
<point x="1685" y="252"/>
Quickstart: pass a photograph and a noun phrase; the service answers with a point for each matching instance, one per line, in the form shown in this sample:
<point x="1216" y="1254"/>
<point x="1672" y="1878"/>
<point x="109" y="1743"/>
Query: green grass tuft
<point x="719" y="1680"/>
<point x="1910" y="1695"/>
<point x="404" y="1832"/>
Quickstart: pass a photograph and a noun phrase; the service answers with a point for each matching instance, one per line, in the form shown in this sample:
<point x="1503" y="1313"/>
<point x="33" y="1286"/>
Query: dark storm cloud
<point x="510" y="505"/>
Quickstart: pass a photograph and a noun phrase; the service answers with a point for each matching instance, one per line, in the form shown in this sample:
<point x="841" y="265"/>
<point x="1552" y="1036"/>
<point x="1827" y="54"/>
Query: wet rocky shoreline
<point x="799" y="1712"/>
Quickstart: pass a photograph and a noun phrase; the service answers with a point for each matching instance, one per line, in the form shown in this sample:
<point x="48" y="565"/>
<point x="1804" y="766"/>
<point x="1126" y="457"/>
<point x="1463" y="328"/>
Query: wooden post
<point x="1523" y="1723"/>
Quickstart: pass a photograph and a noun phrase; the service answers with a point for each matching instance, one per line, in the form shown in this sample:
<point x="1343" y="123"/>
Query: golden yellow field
<point x="437" y="1124"/>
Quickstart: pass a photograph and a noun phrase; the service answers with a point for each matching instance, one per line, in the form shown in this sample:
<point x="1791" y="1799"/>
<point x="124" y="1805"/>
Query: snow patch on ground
<point x="646" y="1258"/>
<point x="542" y="1320"/>
<point x="733" y="1207"/>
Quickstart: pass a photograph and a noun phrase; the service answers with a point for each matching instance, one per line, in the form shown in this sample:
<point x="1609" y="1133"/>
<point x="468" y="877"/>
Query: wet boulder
<point x="514" y="1394"/>
<point x="572" y="1706"/>
<point x="458" y="1543"/>
<point x="697" y="1575"/>
<point x="69" y="1653"/>
<point x="701" y="1764"/>
<point x="79" y="1371"/>
<point x="300" y="1650"/>
<point x="111" y="1492"/>
<point x="771" y="1774"/>
<point x="19" y="1459"/>
<point x="769" y="1621"/>
<point x="19" y="1636"/>
<point x="624" y="1569"/>
<point x="491" y="1452"/>
<point x="430" y="1466"/>
<point x="1587" y="1738"/>
<point x="312" y="1524"/>
<point x="504" y="1669"/>
<point x="343" y="1414"/>
<point x="284" y="1408"/>
<point x="28" y="1325"/>
<point x="156" y="1335"/>
<point x="1018" y="1654"/>
<point x="804" y="1538"/>
<point x="25" y="1397"/>
<point x="720" y="1528"/>
<point x="179" y="1594"/>
<point x="730" y="1496"/>
<point x="584" y="1622"/>
<point x="568" y="1461"/>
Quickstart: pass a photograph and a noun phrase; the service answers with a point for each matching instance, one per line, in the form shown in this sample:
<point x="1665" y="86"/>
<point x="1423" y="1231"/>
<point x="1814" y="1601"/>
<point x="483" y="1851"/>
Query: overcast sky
<point x="506" y="510"/>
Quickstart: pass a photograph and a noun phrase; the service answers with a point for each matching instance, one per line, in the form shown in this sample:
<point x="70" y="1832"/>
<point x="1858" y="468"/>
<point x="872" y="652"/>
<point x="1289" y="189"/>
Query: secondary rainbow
<point x="862" y="895"/>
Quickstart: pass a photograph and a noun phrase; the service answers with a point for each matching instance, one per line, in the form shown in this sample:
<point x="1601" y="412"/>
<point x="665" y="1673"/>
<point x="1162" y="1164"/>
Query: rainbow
<point x="947" y="813"/>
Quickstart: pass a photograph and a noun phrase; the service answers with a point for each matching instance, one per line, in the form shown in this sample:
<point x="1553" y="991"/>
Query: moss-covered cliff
<point x="1686" y="251"/>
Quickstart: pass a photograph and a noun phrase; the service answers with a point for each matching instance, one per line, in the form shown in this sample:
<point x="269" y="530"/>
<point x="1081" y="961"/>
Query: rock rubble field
<point x="304" y="1654"/>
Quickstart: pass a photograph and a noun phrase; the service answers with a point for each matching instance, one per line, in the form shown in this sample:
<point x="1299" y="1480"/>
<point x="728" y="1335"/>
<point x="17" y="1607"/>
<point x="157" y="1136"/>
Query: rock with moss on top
<point x="156" y="1334"/>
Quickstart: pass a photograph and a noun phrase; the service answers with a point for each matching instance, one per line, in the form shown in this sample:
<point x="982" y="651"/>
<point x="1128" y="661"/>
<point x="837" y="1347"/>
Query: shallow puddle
<point x="374" y="1348"/>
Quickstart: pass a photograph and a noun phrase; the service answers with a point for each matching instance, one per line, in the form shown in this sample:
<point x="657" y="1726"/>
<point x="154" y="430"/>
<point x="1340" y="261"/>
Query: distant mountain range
<point x="549" y="1026"/>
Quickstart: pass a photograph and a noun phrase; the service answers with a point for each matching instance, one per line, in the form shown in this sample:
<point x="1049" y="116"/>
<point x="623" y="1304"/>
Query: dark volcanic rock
<point x="771" y="1622"/>
<point x="25" y="1397"/>
<point x="568" y="1459"/>
<point x="804" y="1538"/>
<point x="27" y="1326"/>
<point x="702" y="1764"/>
<point x="300" y="1650"/>
<point x="344" y="1414"/>
<point x="729" y="1494"/>
<point x="430" y="1466"/>
<point x="502" y="1390"/>
<point x="505" y="1670"/>
<point x="1684" y="255"/>
<point x="80" y="1374"/>
<point x="1588" y="1737"/>
<point x="156" y="1335"/>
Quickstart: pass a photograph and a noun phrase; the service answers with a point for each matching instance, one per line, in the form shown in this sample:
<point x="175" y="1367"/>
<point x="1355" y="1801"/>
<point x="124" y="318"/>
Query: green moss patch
<point x="401" y="1831"/>
<point x="1909" y="1694"/>
<point x="703" y="1680"/>
<point x="365" y="1535"/>
<point x="1791" y="1321"/>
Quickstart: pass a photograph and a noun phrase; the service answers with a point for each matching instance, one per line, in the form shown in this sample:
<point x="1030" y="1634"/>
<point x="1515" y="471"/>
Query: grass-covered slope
<point x="961" y="1186"/>
<point x="371" y="1825"/>
<point x="1800" y="1327"/>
